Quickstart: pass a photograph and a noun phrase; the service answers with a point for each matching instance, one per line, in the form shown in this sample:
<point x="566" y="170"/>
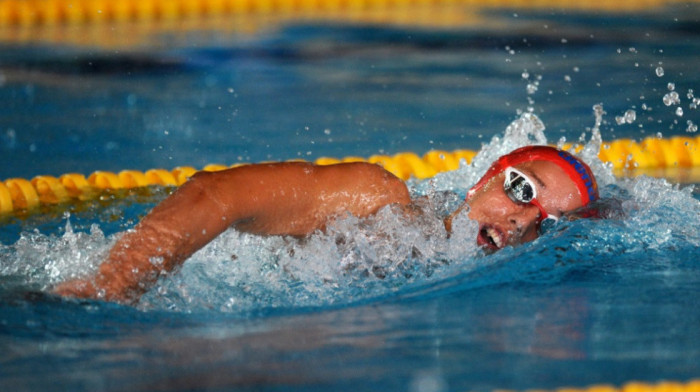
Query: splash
<point x="357" y="260"/>
<point x="353" y="260"/>
<point x="41" y="261"/>
<point x="525" y="130"/>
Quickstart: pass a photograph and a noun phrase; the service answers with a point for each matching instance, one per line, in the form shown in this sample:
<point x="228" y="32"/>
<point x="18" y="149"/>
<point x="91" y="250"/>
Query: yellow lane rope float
<point x="71" y="12"/>
<point x="665" y="386"/>
<point x="21" y="194"/>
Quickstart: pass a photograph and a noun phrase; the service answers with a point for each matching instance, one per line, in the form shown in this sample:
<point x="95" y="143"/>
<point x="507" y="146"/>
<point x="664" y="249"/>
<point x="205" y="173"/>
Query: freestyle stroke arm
<point x="290" y="198"/>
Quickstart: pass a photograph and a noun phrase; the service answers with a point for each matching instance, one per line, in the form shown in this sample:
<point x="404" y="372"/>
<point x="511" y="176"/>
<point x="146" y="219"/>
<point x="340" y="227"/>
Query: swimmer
<point x="521" y="193"/>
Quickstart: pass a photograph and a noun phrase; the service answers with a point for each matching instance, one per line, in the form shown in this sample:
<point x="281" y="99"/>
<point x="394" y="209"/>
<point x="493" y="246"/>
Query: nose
<point x="522" y="217"/>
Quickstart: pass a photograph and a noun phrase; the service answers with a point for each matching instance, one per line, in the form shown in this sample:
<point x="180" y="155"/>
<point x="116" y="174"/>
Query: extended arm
<point x="282" y="198"/>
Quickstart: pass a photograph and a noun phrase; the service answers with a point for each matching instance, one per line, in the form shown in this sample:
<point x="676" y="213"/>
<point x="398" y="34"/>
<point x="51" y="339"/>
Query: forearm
<point x="134" y="265"/>
<point x="163" y="240"/>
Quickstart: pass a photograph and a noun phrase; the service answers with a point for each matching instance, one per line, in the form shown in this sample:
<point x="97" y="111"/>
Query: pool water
<point x="377" y="304"/>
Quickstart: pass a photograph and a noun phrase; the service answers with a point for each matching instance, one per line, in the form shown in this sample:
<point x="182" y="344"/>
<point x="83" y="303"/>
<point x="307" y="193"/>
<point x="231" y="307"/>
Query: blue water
<point x="594" y="301"/>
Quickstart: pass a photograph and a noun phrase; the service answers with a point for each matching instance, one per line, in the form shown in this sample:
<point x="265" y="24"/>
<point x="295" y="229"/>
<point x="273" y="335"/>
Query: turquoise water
<point x="594" y="301"/>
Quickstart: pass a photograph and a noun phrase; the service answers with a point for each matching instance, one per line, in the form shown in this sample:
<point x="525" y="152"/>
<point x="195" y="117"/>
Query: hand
<point x="97" y="288"/>
<point x="77" y="288"/>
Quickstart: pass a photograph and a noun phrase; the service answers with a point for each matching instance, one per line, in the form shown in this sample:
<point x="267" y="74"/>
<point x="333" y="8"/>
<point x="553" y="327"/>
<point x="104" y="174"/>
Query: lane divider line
<point x="31" y="13"/>
<point x="21" y="194"/>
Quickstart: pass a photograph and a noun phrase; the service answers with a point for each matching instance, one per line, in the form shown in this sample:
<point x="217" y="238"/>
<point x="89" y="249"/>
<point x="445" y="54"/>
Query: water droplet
<point x="10" y="138"/>
<point x="695" y="103"/>
<point x="692" y="128"/>
<point x="671" y="86"/>
<point x="671" y="99"/>
<point x="531" y="88"/>
<point x="567" y="78"/>
<point x="628" y="118"/>
<point x="525" y="75"/>
<point x="659" y="71"/>
<point x="679" y="112"/>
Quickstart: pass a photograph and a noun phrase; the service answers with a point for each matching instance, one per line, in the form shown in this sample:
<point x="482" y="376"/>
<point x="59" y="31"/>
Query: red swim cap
<point x="576" y="169"/>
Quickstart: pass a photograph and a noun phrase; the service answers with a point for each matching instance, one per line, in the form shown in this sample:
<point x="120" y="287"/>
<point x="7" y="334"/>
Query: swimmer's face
<point x="504" y="222"/>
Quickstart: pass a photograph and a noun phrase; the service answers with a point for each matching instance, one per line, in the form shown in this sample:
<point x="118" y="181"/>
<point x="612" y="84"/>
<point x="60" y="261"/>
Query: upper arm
<point x="298" y="198"/>
<point x="361" y="188"/>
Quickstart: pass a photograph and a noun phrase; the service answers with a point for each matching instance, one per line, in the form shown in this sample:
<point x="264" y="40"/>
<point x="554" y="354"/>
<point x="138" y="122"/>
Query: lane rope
<point x="21" y="194"/>
<point x="636" y="386"/>
<point x="30" y="13"/>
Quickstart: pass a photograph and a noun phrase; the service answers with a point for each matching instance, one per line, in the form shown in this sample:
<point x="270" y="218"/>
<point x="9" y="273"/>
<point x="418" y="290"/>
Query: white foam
<point x="358" y="259"/>
<point x="44" y="260"/>
<point x="354" y="259"/>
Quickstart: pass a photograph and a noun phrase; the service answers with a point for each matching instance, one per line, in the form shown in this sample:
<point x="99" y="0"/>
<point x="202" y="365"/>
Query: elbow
<point x="203" y="191"/>
<point x="201" y="179"/>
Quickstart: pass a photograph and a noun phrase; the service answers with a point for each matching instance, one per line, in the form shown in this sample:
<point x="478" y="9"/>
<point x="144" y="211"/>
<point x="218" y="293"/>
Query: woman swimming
<point x="521" y="193"/>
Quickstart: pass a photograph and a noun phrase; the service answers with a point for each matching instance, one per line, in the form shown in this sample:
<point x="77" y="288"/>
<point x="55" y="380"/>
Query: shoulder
<point x="366" y="173"/>
<point x="369" y="171"/>
<point x="365" y="179"/>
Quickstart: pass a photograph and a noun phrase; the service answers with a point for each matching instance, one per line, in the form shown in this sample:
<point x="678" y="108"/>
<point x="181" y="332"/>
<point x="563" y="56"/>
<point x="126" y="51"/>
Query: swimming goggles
<point x="521" y="190"/>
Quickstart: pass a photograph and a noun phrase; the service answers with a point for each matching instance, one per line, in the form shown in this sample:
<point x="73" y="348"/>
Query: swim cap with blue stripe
<point x="575" y="168"/>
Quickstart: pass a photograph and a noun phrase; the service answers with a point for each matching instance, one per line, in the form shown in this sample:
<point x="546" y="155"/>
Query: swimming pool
<point x="606" y="301"/>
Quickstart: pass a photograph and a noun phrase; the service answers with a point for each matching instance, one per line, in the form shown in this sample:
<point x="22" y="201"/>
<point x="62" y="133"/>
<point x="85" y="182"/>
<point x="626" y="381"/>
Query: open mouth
<point x="490" y="237"/>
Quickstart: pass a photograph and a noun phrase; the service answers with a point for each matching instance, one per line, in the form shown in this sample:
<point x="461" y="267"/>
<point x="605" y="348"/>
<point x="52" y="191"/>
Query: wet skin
<point x="504" y="222"/>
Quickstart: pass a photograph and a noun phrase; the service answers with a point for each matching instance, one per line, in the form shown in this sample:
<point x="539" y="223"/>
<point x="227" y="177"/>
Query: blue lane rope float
<point x="21" y="194"/>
